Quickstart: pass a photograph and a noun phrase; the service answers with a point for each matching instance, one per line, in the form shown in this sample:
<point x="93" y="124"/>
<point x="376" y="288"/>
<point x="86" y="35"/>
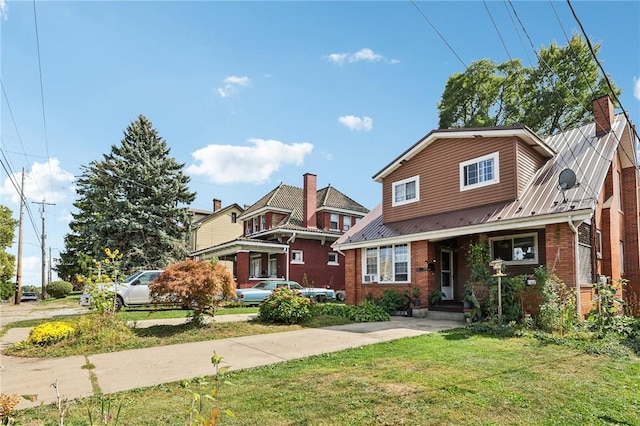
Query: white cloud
<point x="44" y="181"/>
<point x="231" y="85"/>
<point x="247" y="164"/>
<point x="3" y="9"/>
<point x="365" y="54"/>
<point x="636" y="88"/>
<point x="352" y="122"/>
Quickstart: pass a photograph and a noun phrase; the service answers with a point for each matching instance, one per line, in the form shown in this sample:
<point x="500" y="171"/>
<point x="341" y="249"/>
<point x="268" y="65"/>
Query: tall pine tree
<point x="135" y="200"/>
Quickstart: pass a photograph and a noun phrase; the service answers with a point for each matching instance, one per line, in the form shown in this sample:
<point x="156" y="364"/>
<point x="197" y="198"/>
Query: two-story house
<point x="454" y="185"/>
<point x="288" y="233"/>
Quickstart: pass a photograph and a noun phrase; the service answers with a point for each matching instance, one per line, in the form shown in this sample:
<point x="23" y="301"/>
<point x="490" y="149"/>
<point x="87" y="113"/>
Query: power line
<point x="496" y="28"/>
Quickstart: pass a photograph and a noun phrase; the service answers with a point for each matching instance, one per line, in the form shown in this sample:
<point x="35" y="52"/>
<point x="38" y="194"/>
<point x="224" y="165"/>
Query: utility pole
<point x="18" y="294"/>
<point x="43" y="247"/>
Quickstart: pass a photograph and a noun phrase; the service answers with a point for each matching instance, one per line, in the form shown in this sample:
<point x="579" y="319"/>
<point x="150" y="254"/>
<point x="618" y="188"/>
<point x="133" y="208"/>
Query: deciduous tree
<point x="7" y="232"/>
<point x="553" y="95"/>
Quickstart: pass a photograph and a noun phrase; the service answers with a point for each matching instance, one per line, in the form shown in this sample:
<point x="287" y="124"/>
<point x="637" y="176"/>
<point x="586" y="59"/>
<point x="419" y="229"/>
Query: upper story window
<point x="481" y="171"/>
<point x="296" y="256"/>
<point x="515" y="248"/>
<point x="247" y="227"/>
<point x="333" y="224"/>
<point x="406" y="191"/>
<point x="255" y="224"/>
<point x="234" y="217"/>
<point x="332" y="258"/>
<point x="346" y="223"/>
<point x="263" y="222"/>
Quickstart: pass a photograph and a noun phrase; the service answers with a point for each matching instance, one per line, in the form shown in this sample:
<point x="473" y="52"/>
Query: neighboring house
<point x="453" y="185"/>
<point x="288" y="234"/>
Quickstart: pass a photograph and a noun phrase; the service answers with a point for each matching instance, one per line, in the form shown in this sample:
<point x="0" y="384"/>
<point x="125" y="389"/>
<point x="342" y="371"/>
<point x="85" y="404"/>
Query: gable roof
<point x="522" y="132"/>
<point x="541" y="202"/>
<point x="289" y="200"/>
<point x="212" y="215"/>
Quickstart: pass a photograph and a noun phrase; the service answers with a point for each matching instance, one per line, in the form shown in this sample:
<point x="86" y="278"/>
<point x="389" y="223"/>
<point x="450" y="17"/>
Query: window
<point x="619" y="190"/>
<point x="515" y="249"/>
<point x="273" y="267"/>
<point x="256" y="267"/>
<point x="346" y="223"/>
<point x="479" y="172"/>
<point x="333" y="224"/>
<point x="255" y="224"/>
<point x="386" y="264"/>
<point x="598" y="244"/>
<point x="332" y="259"/>
<point x="247" y="227"/>
<point x="263" y="222"/>
<point x="296" y="256"/>
<point x="406" y="191"/>
<point x="234" y="217"/>
<point x="621" y="258"/>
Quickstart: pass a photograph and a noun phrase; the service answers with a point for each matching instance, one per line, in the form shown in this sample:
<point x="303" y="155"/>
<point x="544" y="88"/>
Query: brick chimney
<point x="217" y="205"/>
<point x="309" y="201"/>
<point x="603" y="114"/>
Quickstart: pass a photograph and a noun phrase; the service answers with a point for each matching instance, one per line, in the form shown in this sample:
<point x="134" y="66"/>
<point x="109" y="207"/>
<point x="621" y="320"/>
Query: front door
<point x="446" y="274"/>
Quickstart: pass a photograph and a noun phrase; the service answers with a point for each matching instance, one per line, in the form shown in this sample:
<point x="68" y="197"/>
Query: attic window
<point x="406" y="191"/>
<point x="481" y="171"/>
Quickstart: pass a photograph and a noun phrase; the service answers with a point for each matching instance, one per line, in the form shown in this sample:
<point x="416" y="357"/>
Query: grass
<point x="108" y="334"/>
<point x="449" y="378"/>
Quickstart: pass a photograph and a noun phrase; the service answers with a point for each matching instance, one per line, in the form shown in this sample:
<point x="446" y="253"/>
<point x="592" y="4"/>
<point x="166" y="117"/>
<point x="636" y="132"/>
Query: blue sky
<point x="251" y="94"/>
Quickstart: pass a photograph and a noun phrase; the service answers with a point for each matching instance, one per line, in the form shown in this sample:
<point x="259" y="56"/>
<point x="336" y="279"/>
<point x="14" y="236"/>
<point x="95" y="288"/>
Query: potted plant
<point x="435" y="296"/>
<point x="415" y="295"/>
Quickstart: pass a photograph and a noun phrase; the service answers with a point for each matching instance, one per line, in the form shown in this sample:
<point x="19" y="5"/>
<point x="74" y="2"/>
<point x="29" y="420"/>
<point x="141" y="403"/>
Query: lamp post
<point x="497" y="267"/>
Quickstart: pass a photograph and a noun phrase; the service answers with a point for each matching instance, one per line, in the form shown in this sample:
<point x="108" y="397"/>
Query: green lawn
<point x="449" y="378"/>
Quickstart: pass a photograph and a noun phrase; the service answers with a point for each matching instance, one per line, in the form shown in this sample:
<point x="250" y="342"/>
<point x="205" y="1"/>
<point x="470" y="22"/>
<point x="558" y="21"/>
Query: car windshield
<point x="132" y="277"/>
<point x="266" y="285"/>
<point x="295" y="286"/>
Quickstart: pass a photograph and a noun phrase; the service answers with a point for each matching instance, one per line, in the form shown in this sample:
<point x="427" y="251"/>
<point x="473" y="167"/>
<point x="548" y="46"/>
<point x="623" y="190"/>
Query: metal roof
<point x="542" y="201"/>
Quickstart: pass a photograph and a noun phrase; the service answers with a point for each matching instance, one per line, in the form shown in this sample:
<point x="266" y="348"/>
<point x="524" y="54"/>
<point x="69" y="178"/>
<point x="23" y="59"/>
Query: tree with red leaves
<point x="198" y="285"/>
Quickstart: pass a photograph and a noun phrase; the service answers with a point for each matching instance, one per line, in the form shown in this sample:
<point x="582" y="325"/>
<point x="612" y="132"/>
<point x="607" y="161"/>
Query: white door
<point x="446" y="274"/>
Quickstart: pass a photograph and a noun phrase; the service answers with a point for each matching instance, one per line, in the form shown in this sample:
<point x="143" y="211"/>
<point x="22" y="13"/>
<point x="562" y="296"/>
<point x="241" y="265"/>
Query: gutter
<point x="574" y="229"/>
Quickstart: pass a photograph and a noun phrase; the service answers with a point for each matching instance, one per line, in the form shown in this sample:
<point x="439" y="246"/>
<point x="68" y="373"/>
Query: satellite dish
<point x="566" y="181"/>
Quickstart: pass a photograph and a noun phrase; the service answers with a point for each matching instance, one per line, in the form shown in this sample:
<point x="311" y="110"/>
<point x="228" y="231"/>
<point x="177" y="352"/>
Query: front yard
<point x="452" y="378"/>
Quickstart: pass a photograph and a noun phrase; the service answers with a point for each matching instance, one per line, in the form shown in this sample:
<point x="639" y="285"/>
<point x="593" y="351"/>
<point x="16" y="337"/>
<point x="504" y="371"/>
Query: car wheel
<point x="321" y="298"/>
<point x="118" y="304"/>
<point x="340" y="296"/>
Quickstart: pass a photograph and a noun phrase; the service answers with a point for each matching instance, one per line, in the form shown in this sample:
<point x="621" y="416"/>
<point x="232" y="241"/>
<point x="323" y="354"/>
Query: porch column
<point x="242" y="267"/>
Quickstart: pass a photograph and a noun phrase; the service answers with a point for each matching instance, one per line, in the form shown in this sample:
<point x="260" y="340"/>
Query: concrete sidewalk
<point x="130" y="369"/>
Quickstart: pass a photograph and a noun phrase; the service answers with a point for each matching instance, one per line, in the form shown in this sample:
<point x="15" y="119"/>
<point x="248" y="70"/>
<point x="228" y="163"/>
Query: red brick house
<point x="503" y="182"/>
<point x="288" y="234"/>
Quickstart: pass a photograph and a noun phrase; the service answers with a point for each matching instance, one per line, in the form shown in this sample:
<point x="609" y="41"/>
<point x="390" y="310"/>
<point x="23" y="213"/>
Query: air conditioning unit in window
<point x="370" y="278"/>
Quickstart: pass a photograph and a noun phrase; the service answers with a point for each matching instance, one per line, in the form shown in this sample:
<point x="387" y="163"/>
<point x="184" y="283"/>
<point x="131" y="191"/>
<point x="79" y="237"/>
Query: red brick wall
<point x="631" y="211"/>
<point x="315" y="256"/>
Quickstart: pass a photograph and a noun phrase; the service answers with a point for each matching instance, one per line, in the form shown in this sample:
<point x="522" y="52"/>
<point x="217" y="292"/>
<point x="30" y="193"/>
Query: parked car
<point x="133" y="291"/>
<point x="256" y="294"/>
<point x="29" y="296"/>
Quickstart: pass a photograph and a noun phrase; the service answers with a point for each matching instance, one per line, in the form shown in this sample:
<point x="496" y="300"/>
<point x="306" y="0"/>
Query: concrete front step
<point x="444" y="315"/>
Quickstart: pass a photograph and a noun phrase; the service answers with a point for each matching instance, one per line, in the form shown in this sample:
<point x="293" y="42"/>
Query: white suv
<point x="133" y="291"/>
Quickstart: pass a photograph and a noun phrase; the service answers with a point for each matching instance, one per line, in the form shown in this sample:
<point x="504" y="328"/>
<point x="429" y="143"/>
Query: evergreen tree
<point x="554" y="95"/>
<point x="135" y="200"/>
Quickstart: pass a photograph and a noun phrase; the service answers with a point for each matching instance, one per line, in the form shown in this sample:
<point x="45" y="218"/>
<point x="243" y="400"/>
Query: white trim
<point x="512" y="224"/>
<point x="495" y="156"/>
<point x="296" y="261"/>
<point x="415" y="179"/>
<point x="334" y="262"/>
<point x="536" y="246"/>
<point x="363" y="261"/>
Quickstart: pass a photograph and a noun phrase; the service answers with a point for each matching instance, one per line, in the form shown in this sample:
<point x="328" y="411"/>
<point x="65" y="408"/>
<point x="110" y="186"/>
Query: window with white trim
<point x="273" y="266"/>
<point x="406" y="191"/>
<point x="255" y="224"/>
<point x="333" y="222"/>
<point x="263" y="222"/>
<point x="256" y="267"/>
<point x="332" y="258"/>
<point x="621" y="258"/>
<point x="386" y="264"/>
<point x="296" y="256"/>
<point x="515" y="249"/>
<point x="481" y="171"/>
<point x="234" y="217"/>
<point x="346" y="223"/>
<point x="247" y="227"/>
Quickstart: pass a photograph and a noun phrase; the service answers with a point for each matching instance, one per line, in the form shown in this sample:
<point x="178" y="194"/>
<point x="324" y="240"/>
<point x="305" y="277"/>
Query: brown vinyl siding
<point x="529" y="161"/>
<point x="438" y="166"/>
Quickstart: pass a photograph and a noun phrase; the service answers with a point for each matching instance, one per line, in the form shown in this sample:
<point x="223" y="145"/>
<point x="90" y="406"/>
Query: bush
<point x="285" y="306"/>
<point x="7" y="290"/>
<point x="50" y="332"/>
<point x="392" y="301"/>
<point x="59" y="289"/>
<point x="367" y="311"/>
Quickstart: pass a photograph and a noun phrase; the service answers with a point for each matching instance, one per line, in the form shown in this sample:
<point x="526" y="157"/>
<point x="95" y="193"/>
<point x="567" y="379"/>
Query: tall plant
<point x="478" y="258"/>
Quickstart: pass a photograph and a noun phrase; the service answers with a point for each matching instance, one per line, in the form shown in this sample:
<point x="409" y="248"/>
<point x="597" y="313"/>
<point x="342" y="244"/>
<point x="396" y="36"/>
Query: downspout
<point x="574" y="229"/>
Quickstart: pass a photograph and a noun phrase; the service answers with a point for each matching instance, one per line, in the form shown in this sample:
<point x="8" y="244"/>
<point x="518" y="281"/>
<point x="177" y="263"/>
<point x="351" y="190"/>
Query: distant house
<point x="454" y="185"/>
<point x="288" y="233"/>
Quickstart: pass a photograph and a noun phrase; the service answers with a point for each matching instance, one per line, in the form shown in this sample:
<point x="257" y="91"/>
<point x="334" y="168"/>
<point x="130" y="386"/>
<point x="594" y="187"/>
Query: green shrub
<point x="7" y="289"/>
<point x="391" y="301"/>
<point x="50" y="332"/>
<point x="285" y="306"/>
<point x="59" y="289"/>
<point x="367" y="311"/>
